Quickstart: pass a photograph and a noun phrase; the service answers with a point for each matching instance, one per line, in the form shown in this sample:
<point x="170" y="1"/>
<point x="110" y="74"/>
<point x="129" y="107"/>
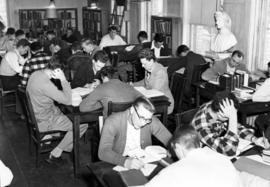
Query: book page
<point x="149" y="93"/>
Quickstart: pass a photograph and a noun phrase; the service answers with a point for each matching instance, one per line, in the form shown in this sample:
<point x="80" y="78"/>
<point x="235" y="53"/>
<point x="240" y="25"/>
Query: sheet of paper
<point x="243" y="146"/>
<point x="148" y="169"/>
<point x="119" y="168"/>
<point x="258" y="158"/>
<point x="81" y="91"/>
<point x="149" y="93"/>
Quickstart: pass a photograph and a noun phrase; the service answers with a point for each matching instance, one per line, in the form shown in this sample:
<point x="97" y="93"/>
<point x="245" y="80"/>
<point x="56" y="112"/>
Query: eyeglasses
<point x="147" y="121"/>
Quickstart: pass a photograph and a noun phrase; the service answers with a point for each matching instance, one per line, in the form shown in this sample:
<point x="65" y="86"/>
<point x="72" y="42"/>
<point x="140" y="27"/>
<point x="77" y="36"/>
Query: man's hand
<point x="59" y="74"/>
<point x="263" y="142"/>
<point x="133" y="163"/>
<point x="229" y="111"/>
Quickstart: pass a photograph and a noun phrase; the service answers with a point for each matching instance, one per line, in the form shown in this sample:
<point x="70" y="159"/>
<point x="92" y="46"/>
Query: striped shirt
<point x="38" y="61"/>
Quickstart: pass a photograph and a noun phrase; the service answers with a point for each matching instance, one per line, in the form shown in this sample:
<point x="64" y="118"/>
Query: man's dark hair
<point x="268" y="64"/>
<point x="238" y="53"/>
<point x="10" y="31"/>
<point x="108" y="71"/>
<point x="19" y="32"/>
<point x="57" y="41"/>
<point x="220" y="97"/>
<point x="186" y="136"/>
<point x="181" y="49"/>
<point x="147" y="53"/>
<point x="113" y="28"/>
<point x="146" y="103"/>
<point x="159" y="37"/>
<point x="88" y="41"/>
<point x="35" y="46"/>
<point x="142" y="34"/>
<point x="54" y="63"/>
<point x="102" y="56"/>
<point x="23" y="43"/>
<point x="51" y="32"/>
<point x="76" y="46"/>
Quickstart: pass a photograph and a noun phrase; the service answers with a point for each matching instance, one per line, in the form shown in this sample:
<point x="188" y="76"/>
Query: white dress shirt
<point x="133" y="140"/>
<point x="262" y="94"/>
<point x="12" y="63"/>
<point x="156" y="50"/>
<point x="6" y="175"/>
<point x="201" y="167"/>
<point x="108" y="41"/>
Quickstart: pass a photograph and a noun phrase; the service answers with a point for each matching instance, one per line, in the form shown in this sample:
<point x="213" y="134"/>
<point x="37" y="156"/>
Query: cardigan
<point x="114" y="135"/>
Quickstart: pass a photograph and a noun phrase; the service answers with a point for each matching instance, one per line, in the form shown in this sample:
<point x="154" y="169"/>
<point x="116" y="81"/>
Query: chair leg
<point x="37" y="156"/>
<point x="2" y="108"/>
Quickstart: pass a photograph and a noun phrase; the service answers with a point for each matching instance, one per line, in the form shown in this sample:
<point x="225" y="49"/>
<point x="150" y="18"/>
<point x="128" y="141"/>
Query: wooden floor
<point x="14" y="152"/>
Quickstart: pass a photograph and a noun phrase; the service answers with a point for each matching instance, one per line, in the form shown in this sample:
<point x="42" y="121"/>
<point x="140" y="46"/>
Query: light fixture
<point x="51" y="10"/>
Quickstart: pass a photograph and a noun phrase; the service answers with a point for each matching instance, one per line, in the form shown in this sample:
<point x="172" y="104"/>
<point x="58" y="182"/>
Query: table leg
<point x="164" y="115"/>
<point x="76" y="145"/>
<point x="197" y="96"/>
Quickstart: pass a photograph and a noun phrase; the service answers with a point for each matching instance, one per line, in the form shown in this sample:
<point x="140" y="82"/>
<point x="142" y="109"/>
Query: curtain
<point x="257" y="34"/>
<point x="3" y="12"/>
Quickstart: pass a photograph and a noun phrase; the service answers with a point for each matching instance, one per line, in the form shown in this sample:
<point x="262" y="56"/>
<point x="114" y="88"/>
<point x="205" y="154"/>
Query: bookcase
<point x="170" y="27"/>
<point x="36" y="21"/>
<point x="95" y="23"/>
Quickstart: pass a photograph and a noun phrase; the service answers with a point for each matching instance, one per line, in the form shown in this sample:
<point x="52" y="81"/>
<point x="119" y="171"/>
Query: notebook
<point x="149" y="93"/>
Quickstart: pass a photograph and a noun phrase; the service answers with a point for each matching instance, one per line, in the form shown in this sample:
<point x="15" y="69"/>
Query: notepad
<point x="81" y="91"/>
<point x="149" y="93"/>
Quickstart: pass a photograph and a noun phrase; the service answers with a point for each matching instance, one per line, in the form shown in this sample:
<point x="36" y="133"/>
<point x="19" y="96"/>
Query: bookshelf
<point x="35" y="20"/>
<point x="170" y="27"/>
<point x="95" y="23"/>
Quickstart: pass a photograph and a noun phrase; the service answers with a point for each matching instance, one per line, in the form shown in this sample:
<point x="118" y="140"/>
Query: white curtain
<point x="258" y="20"/>
<point x="3" y="12"/>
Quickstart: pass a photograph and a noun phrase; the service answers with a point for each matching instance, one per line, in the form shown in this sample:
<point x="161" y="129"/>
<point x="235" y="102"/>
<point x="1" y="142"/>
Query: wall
<point x="15" y="5"/>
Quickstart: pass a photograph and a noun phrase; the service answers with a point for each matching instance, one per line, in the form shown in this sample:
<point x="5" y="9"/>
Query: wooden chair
<point x="36" y="136"/>
<point x="177" y="86"/>
<point x="118" y="107"/>
<point x="197" y="72"/>
<point x="4" y="94"/>
<point x="185" y="117"/>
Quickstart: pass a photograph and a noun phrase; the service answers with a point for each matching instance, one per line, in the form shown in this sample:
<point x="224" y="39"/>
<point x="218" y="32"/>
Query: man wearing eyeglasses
<point x="126" y="133"/>
<point x="228" y="65"/>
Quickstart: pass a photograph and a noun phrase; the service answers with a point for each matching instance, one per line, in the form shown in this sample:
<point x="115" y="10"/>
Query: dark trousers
<point x="10" y="82"/>
<point x="262" y="123"/>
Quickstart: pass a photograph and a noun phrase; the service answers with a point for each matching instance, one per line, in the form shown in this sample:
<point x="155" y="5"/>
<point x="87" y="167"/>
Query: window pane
<point x="3" y="12"/>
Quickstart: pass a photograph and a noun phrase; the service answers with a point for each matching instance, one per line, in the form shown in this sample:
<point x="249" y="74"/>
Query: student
<point x="111" y="89"/>
<point x="216" y="123"/>
<point x="90" y="47"/>
<point x="39" y="60"/>
<point x="112" y="38"/>
<point x="227" y="65"/>
<point x="156" y="76"/>
<point x="196" y="166"/>
<point x="125" y="132"/>
<point x="87" y="72"/>
<point x="43" y="93"/>
<point x="158" y="46"/>
<point x="12" y="65"/>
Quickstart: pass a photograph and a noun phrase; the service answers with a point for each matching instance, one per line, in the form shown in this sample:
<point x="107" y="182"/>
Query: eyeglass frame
<point x="147" y="121"/>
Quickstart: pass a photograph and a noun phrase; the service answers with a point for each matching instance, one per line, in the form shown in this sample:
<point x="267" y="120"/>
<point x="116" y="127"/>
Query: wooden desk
<point x="161" y="104"/>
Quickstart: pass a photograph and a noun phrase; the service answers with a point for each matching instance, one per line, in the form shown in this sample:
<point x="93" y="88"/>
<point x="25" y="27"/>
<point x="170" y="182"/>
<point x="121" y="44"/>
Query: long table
<point x="161" y="104"/>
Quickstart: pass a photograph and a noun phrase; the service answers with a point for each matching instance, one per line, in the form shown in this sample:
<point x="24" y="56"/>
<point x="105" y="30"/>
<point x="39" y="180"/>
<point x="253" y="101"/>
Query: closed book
<point x="133" y="177"/>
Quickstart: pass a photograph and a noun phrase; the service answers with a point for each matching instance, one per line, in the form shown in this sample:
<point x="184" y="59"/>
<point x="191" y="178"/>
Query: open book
<point x="149" y="93"/>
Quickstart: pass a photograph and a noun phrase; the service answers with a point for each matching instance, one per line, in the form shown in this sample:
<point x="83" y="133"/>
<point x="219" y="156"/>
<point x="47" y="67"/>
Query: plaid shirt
<point x="216" y="135"/>
<point x="38" y="61"/>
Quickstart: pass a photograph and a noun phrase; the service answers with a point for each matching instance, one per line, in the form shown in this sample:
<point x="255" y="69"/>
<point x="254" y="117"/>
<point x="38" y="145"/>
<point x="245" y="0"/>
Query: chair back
<point x="177" y="86"/>
<point x="185" y="117"/>
<point x="198" y="70"/>
<point x="29" y="113"/>
<point x="118" y="107"/>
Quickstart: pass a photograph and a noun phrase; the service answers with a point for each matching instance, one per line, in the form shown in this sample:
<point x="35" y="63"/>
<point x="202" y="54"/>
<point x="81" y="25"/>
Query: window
<point x="3" y="12"/>
<point x="200" y="38"/>
<point x="266" y="52"/>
